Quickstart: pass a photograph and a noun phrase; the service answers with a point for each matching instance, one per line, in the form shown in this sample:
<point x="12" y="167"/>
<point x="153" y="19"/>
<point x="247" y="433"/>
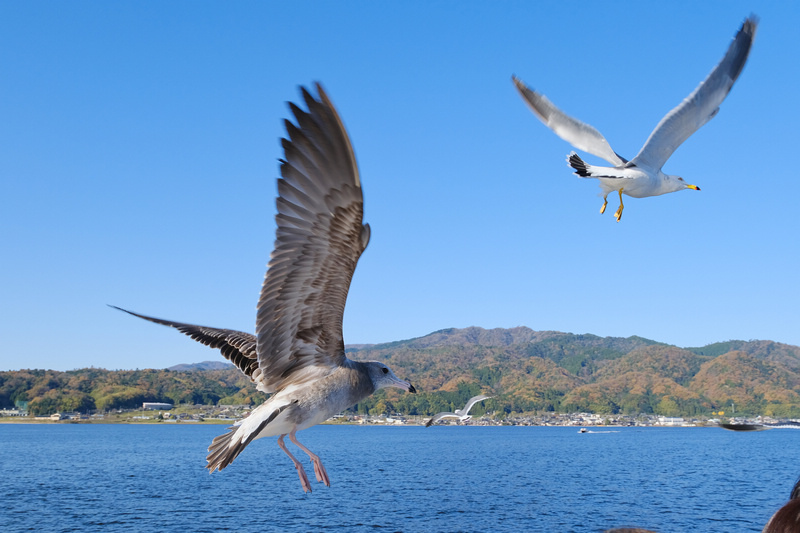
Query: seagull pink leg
<point x="300" y="470"/>
<point x="319" y="470"/>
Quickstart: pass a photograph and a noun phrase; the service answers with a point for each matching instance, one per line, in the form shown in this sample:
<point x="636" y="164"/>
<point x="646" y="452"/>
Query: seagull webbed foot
<point x="319" y="471"/>
<point x="303" y="478"/>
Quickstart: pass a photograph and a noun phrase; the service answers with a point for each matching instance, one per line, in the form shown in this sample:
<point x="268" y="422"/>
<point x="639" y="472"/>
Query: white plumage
<point x="642" y="176"/>
<point x="461" y="414"/>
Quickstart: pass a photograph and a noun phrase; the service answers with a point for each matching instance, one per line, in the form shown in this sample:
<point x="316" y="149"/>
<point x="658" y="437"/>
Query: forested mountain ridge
<point x="526" y="370"/>
<point x="551" y="370"/>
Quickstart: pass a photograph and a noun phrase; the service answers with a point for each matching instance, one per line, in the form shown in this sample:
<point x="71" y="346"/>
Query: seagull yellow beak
<point x="695" y="187"/>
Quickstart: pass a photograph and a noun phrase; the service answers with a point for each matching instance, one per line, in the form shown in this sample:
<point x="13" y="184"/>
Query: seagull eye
<point x="385" y="370"/>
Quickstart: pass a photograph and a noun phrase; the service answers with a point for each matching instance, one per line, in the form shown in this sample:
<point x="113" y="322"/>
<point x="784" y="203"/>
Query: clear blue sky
<point x="139" y="148"/>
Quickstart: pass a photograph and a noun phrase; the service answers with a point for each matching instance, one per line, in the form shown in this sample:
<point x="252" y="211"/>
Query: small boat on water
<point x="743" y="427"/>
<point x="582" y="430"/>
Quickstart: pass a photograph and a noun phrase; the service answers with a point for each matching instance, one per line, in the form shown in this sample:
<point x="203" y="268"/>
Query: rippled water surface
<point x="71" y="477"/>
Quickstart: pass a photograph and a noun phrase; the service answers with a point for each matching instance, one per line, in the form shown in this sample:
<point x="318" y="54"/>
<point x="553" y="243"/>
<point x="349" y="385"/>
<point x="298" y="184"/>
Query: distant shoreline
<point x="231" y="422"/>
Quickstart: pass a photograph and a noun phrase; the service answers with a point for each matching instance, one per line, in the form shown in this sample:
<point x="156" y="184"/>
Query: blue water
<point x="151" y="478"/>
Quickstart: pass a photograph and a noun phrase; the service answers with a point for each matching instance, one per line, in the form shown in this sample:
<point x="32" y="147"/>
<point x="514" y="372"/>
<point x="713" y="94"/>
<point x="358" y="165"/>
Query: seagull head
<point x="677" y="183"/>
<point x="382" y="376"/>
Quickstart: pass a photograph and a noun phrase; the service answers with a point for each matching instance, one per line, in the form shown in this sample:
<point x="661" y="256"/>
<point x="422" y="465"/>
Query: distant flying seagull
<point x="461" y="414"/>
<point x="642" y="176"/>
<point x="297" y="354"/>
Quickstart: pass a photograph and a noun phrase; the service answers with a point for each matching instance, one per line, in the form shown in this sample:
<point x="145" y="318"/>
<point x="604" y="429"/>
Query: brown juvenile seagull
<point x="642" y="176"/>
<point x="297" y="354"/>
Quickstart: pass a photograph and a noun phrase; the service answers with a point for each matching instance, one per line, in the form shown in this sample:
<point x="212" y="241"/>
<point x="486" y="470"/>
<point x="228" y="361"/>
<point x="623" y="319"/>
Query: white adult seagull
<point x="298" y="354"/>
<point x="642" y="176"/>
<point x="461" y="414"/>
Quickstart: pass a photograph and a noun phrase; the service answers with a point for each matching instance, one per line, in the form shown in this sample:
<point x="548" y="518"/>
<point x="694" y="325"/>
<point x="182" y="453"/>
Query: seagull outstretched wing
<point x="701" y="105"/>
<point x="579" y="134"/>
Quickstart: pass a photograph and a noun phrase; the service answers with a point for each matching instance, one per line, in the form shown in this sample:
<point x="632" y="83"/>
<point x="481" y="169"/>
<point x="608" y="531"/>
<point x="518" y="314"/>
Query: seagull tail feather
<point x="221" y="453"/>
<point x="225" y="448"/>
<point x="581" y="168"/>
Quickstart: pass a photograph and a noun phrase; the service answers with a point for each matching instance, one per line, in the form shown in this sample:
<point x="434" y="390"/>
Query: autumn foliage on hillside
<point x="525" y="370"/>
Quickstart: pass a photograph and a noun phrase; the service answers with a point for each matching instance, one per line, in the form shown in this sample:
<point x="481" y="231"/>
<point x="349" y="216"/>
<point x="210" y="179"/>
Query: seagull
<point x="297" y="354"/>
<point x="642" y="176"/>
<point x="461" y="414"/>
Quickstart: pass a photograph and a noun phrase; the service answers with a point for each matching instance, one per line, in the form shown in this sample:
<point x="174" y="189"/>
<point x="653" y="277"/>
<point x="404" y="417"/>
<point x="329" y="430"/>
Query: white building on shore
<point x="156" y="406"/>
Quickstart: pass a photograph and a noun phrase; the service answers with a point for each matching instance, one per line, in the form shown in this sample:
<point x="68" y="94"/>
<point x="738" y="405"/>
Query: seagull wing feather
<point x="579" y="134"/>
<point x="319" y="239"/>
<point x="238" y="347"/>
<point x="438" y="416"/>
<point x="472" y="401"/>
<point x="701" y="105"/>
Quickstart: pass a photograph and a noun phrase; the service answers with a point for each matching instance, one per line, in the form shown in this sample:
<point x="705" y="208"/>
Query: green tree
<point x="667" y="407"/>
